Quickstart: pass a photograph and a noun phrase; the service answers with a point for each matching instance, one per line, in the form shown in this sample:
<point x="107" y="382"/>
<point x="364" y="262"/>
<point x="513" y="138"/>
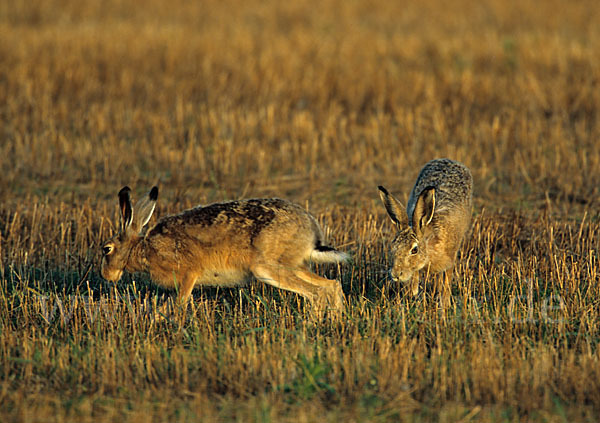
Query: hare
<point x="223" y="244"/>
<point x="437" y="217"/>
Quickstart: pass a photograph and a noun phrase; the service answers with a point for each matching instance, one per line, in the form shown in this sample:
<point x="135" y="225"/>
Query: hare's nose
<point x="393" y="276"/>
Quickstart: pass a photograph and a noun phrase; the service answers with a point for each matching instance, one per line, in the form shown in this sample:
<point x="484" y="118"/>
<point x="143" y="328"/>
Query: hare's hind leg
<point x="283" y="277"/>
<point x="335" y="294"/>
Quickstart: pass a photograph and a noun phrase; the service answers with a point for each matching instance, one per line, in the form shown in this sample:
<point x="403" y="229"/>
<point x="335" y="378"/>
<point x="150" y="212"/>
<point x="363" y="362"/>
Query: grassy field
<point x="317" y="102"/>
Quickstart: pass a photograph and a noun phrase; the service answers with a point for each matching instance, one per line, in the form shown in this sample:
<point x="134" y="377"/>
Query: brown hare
<point x="437" y="217"/>
<point x="224" y="244"/>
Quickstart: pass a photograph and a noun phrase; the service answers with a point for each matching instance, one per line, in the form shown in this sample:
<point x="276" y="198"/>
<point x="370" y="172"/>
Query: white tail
<point x="328" y="255"/>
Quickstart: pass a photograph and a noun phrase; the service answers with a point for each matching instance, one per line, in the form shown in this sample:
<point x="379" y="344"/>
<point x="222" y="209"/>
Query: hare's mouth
<point x="112" y="276"/>
<point x="401" y="277"/>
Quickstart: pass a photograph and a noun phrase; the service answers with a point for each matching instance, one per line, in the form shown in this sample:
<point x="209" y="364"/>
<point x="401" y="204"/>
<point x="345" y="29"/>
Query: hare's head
<point x="116" y="250"/>
<point x="409" y="247"/>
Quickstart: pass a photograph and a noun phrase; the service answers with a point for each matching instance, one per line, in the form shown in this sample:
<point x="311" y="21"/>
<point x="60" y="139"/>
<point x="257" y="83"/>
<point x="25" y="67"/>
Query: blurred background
<point x="311" y="100"/>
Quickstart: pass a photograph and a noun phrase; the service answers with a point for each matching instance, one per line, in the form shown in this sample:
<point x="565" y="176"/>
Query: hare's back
<point x="453" y="185"/>
<point x="243" y="218"/>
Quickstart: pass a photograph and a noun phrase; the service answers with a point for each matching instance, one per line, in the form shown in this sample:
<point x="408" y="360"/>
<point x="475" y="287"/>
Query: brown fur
<point x="225" y="244"/>
<point x="438" y="216"/>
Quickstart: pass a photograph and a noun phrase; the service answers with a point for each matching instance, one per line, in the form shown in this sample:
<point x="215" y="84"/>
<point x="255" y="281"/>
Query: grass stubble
<point x="317" y="102"/>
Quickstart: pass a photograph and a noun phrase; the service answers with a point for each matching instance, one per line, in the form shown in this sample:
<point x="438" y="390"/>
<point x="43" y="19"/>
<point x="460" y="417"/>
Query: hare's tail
<point x="326" y="254"/>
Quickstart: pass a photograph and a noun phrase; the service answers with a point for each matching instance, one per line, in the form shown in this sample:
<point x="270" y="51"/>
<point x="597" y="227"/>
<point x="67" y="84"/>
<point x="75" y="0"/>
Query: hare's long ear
<point x="125" y="207"/>
<point x="144" y="209"/>
<point x="424" y="209"/>
<point x="393" y="207"/>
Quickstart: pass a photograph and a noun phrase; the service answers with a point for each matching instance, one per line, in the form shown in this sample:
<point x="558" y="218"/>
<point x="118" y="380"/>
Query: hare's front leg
<point x="444" y="289"/>
<point x="412" y="286"/>
<point x="185" y="288"/>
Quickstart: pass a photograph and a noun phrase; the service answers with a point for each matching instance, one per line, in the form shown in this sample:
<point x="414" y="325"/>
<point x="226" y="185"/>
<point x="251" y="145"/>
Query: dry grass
<point x="317" y="102"/>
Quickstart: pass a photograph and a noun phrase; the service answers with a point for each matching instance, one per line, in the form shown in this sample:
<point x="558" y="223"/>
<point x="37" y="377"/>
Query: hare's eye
<point x="414" y="250"/>
<point x="107" y="250"/>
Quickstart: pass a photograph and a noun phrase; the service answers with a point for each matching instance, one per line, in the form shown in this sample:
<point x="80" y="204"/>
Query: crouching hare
<point x="437" y="217"/>
<point x="224" y="244"/>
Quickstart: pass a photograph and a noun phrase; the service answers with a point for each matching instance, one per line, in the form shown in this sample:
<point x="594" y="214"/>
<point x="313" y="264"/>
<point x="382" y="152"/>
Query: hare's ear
<point x="125" y="207"/>
<point x="393" y="207"/>
<point x="424" y="209"/>
<point x="144" y="209"/>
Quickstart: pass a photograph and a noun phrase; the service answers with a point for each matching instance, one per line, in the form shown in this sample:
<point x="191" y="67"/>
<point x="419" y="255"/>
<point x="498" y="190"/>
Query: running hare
<point x="223" y="244"/>
<point x="436" y="220"/>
